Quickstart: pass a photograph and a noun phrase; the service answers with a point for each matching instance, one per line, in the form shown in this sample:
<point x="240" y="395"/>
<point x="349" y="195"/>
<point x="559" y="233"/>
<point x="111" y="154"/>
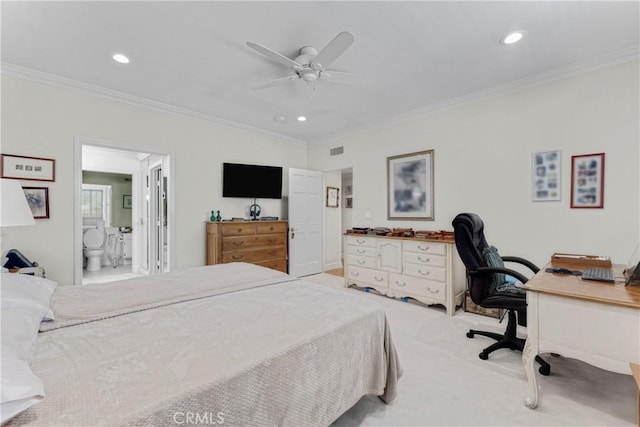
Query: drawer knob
<point x="355" y="273"/>
<point x="240" y="243"/>
<point x="239" y="230"/>
<point x="401" y="283"/>
<point x="360" y="251"/>
<point x="359" y="261"/>
<point x="378" y="279"/>
<point x="360" y="241"/>
<point x="271" y="228"/>
<point x="432" y="291"/>
<point x="272" y="252"/>
<point x="423" y="259"/>
<point x="424" y="273"/>
<point x="272" y="240"/>
<point x="237" y="256"/>
<point x="423" y="248"/>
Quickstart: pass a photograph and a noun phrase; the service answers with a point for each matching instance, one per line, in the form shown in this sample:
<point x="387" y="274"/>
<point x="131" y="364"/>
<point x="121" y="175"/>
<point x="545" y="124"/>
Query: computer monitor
<point x="632" y="270"/>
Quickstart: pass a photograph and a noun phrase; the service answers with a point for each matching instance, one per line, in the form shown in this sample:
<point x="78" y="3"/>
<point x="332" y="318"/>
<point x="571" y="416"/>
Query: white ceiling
<point x="411" y="57"/>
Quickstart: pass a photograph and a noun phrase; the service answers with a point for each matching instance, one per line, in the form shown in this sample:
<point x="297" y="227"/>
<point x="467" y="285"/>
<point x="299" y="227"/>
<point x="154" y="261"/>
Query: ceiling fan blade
<point x="339" y="77"/>
<point x="276" y="82"/>
<point x="335" y="48"/>
<point x="275" y="56"/>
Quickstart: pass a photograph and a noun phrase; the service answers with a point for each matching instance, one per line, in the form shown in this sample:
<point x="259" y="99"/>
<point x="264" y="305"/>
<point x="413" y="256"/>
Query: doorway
<point x="129" y="213"/>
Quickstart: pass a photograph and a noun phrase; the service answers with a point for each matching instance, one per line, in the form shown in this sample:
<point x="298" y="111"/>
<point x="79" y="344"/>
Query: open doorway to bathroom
<point x="106" y="206"/>
<point x="117" y="205"/>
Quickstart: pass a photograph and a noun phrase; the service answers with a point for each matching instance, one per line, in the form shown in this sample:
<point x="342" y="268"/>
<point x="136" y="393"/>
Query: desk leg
<point x="529" y="360"/>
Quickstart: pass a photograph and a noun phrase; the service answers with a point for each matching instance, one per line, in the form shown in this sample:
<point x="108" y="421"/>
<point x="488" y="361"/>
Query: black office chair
<point x="481" y="281"/>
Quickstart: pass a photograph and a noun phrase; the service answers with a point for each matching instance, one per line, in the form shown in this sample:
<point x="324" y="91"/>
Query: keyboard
<point x="599" y="274"/>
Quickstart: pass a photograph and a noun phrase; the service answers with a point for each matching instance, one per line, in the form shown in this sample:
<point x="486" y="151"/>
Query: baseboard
<point x="332" y="266"/>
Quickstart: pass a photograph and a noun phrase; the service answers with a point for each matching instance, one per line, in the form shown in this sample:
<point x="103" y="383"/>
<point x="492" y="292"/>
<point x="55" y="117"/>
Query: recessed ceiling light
<point x="280" y="118"/>
<point x="118" y="57"/>
<point x="301" y="118"/>
<point x="513" y="37"/>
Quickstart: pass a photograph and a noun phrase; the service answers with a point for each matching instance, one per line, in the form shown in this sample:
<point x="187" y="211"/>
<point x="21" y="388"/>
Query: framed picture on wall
<point x="28" y="168"/>
<point x="587" y="181"/>
<point x="410" y="186"/>
<point x="38" y="200"/>
<point x="332" y="197"/>
<point x="545" y="176"/>
<point x="126" y="201"/>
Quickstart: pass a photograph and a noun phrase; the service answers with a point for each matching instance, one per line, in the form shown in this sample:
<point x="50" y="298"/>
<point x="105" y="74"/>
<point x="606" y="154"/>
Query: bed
<point x="230" y="344"/>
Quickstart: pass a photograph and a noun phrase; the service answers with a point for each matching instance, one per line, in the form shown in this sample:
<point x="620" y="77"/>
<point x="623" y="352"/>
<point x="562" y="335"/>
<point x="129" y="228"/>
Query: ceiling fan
<point x="310" y="65"/>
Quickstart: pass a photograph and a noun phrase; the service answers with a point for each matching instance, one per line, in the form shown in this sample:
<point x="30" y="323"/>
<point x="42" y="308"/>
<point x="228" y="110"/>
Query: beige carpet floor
<point x="446" y="384"/>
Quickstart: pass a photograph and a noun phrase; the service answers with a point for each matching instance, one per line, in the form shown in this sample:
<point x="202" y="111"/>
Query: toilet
<point x="93" y="248"/>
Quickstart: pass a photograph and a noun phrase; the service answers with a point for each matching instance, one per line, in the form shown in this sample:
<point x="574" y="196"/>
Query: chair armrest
<point x="522" y="261"/>
<point x="489" y="270"/>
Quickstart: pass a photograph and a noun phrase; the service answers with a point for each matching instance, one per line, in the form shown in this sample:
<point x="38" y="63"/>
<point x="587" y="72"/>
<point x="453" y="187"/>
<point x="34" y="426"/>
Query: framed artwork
<point x="28" y="168"/>
<point x="332" y="197"/>
<point x="587" y="181"/>
<point x="410" y="186"/>
<point x="126" y="201"/>
<point x="545" y="176"/>
<point x="38" y="200"/>
<point x="348" y="202"/>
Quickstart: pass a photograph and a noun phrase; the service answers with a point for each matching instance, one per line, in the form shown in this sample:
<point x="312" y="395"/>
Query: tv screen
<point x="255" y="181"/>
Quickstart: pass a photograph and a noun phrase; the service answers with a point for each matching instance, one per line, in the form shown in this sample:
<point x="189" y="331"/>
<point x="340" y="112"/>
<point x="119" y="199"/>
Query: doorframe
<point x="78" y="142"/>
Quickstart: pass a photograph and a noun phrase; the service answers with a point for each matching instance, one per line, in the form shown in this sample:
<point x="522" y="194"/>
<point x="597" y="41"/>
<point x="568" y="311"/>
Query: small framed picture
<point x="126" y="201"/>
<point x="587" y="181"/>
<point x="349" y="202"/>
<point x="410" y="186"/>
<point x="28" y="168"/>
<point x="38" y="200"/>
<point x="332" y="197"/>
<point x="545" y="176"/>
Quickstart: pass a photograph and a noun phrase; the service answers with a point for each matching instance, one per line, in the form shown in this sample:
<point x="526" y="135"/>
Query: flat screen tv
<point x="254" y="181"/>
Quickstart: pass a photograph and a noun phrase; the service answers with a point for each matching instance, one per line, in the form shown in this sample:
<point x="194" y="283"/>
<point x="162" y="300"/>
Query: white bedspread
<point x="289" y="354"/>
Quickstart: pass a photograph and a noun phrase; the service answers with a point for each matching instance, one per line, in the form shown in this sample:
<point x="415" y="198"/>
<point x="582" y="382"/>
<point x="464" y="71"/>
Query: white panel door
<point x="305" y="222"/>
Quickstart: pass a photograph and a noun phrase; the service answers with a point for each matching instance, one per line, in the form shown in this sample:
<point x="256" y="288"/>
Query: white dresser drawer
<point x="421" y="287"/>
<point x="362" y="261"/>
<point x="375" y="277"/>
<point x="425" y="259"/>
<point x="361" y="241"/>
<point x="425" y="247"/>
<point x="361" y="250"/>
<point x="425" y="272"/>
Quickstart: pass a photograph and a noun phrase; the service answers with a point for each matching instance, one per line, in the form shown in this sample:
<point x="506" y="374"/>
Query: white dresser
<point x="429" y="271"/>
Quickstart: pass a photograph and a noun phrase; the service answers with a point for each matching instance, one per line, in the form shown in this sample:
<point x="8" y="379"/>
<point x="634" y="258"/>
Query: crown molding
<point x="609" y="60"/>
<point x="114" y="95"/>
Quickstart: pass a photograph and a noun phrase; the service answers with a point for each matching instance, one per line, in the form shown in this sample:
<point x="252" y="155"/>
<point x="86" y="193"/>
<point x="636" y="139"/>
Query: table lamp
<point x="14" y="209"/>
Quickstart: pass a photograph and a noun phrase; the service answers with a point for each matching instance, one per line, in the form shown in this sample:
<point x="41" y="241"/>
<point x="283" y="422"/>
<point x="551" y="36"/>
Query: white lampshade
<point x="14" y="210"/>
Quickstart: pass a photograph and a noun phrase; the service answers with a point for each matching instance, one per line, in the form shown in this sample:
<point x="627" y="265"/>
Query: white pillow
<point x="24" y="289"/>
<point x="20" y="388"/>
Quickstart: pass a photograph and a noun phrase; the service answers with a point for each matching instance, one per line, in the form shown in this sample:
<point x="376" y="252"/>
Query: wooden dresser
<point x="257" y="242"/>
<point x="426" y="270"/>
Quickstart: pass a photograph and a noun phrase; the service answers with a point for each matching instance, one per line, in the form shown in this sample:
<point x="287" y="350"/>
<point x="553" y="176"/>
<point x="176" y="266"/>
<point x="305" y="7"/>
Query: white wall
<point x="483" y="164"/>
<point x="42" y="121"/>
<point x="332" y="223"/>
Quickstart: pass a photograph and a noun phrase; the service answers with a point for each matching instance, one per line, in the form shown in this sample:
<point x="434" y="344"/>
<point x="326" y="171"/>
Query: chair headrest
<point x="470" y="241"/>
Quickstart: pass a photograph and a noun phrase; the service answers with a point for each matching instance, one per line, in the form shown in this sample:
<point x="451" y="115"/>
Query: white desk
<point x="596" y="322"/>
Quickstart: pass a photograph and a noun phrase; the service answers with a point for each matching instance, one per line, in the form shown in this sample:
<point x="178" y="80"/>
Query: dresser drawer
<point x="361" y="241"/>
<point x="361" y="250"/>
<point x="238" y="229"/>
<point x="268" y="228"/>
<point x="254" y="255"/>
<point x="411" y="285"/>
<point x="425" y="259"/>
<point x="362" y="261"/>
<point x="425" y="247"/>
<point x="366" y="275"/>
<point x="425" y="272"/>
<point x="242" y="242"/>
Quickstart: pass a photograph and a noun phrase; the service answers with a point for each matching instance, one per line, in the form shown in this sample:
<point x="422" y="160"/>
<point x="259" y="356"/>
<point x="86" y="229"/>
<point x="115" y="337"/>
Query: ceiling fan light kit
<point x="309" y="65"/>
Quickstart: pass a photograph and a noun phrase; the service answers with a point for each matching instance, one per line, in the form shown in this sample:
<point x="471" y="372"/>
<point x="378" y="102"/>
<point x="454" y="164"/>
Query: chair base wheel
<point x="483" y="356"/>
<point x="544" y="370"/>
<point x="469" y="334"/>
